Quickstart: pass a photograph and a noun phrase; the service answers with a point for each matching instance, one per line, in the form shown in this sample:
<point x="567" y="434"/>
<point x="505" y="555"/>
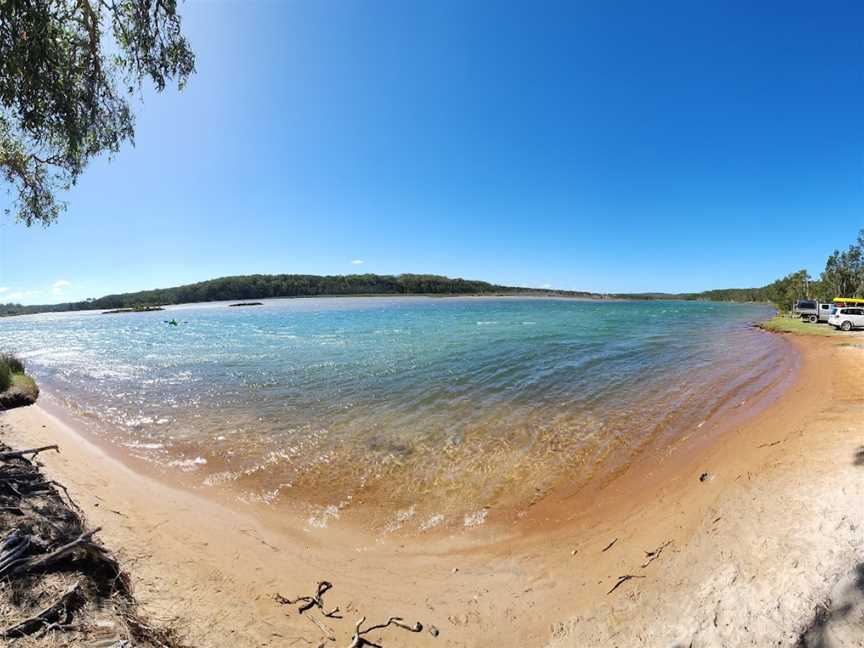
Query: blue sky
<point x="602" y="146"/>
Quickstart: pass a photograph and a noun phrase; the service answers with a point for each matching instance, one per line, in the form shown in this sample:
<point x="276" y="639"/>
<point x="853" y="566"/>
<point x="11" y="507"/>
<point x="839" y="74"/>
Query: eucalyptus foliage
<point x="68" y="69"/>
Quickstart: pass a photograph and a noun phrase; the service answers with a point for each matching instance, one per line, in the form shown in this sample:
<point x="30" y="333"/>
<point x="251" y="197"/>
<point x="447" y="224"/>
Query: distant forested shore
<point x="249" y="287"/>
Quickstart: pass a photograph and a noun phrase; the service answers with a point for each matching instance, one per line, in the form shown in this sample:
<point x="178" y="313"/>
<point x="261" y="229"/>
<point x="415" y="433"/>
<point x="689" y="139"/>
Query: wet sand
<point x="754" y="546"/>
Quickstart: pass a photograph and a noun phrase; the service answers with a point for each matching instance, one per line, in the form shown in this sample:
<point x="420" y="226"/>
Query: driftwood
<point x="326" y="632"/>
<point x="54" y="615"/>
<point x="772" y="444"/>
<point x="609" y="546"/>
<point x="22" y="563"/>
<point x="309" y="602"/>
<point x="42" y="532"/>
<point x="621" y="580"/>
<point x="20" y="454"/>
<point x="359" y="641"/>
<point x="651" y="556"/>
<point x="15" y="545"/>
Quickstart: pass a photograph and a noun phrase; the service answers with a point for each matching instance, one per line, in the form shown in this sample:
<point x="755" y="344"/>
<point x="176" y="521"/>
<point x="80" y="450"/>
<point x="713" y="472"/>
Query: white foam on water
<point x="432" y="522"/>
<point x="144" y="446"/>
<point x="399" y="519"/>
<point x="320" y="518"/>
<point x="476" y="518"/>
<point x="188" y="465"/>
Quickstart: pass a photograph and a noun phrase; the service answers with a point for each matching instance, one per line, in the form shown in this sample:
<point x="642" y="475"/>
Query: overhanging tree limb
<point x="63" y="101"/>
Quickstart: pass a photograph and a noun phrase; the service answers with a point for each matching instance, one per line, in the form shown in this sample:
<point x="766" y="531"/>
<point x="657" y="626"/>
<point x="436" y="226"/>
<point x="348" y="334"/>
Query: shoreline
<point x="600" y="298"/>
<point x="667" y="447"/>
<point x="191" y="556"/>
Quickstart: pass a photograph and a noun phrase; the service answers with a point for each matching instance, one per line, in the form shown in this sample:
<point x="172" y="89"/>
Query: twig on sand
<point x="359" y="641"/>
<point x="609" y="546"/>
<point x="60" y="611"/>
<point x="328" y="634"/>
<point x="651" y="556"/>
<point x="316" y="600"/>
<point x="621" y="580"/>
<point x="20" y="454"/>
<point x="773" y="443"/>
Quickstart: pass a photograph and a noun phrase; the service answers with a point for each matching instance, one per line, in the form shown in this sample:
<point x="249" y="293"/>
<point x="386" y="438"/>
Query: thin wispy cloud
<point x="546" y="286"/>
<point x="358" y="262"/>
<point x="21" y="294"/>
<point x="59" y="285"/>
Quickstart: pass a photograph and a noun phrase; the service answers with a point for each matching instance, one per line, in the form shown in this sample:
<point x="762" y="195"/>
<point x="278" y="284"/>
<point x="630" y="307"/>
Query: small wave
<point x="486" y="323"/>
<point x="133" y="421"/>
<point x="320" y="518"/>
<point x="399" y="519"/>
<point x="187" y="465"/>
<point x="137" y="445"/>
<point x="476" y="518"/>
<point x="432" y="522"/>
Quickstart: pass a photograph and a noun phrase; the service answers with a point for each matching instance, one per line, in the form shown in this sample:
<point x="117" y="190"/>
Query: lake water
<point x="410" y="413"/>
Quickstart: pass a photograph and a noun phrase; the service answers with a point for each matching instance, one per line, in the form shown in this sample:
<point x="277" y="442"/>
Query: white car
<point x="847" y="318"/>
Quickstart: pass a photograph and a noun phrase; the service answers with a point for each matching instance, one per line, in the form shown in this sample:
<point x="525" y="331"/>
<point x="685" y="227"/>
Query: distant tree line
<point x="843" y="276"/>
<point x="246" y="287"/>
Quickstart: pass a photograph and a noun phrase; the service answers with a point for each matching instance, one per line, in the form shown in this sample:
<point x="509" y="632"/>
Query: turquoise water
<point x="432" y="408"/>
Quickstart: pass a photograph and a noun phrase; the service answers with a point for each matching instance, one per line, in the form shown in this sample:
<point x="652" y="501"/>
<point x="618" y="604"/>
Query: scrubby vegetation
<point x="61" y="587"/>
<point x="9" y="367"/>
<point x="16" y="387"/>
<point x="136" y="309"/>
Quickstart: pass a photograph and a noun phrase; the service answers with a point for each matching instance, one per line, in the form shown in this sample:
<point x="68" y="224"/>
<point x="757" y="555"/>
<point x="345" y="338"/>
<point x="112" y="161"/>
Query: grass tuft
<point x="25" y="385"/>
<point x="12" y="372"/>
<point x="15" y="364"/>
<point x="789" y="324"/>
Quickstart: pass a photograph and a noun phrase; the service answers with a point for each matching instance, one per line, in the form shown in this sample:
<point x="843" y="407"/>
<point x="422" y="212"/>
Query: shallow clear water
<point x="432" y="408"/>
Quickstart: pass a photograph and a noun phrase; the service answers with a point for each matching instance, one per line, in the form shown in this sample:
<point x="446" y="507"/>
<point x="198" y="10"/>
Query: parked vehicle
<point x="803" y="308"/>
<point x="812" y="310"/>
<point x="825" y="311"/>
<point x="846" y="319"/>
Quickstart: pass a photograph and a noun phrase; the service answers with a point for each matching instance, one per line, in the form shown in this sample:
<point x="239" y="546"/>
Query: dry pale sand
<point x="756" y="551"/>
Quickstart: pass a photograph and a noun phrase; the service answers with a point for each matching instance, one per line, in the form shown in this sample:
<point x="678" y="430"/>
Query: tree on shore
<point x="68" y="69"/>
<point x="784" y="292"/>
<point x="844" y="271"/>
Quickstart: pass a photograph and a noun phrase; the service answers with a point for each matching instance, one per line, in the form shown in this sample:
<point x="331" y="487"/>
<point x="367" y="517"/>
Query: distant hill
<point x="248" y="287"/>
<point x="724" y="294"/>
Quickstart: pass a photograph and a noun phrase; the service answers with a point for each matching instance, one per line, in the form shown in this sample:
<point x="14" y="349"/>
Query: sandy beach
<point x="740" y="541"/>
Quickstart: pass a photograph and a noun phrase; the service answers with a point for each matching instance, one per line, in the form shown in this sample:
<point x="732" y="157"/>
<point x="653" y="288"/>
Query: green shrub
<point x="9" y="365"/>
<point x="15" y="365"/>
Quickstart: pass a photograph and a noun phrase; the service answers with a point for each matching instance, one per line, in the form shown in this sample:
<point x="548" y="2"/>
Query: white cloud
<point x="59" y="285"/>
<point x="546" y="286"/>
<point x="357" y="262"/>
<point x="22" y="294"/>
<point x="4" y="289"/>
